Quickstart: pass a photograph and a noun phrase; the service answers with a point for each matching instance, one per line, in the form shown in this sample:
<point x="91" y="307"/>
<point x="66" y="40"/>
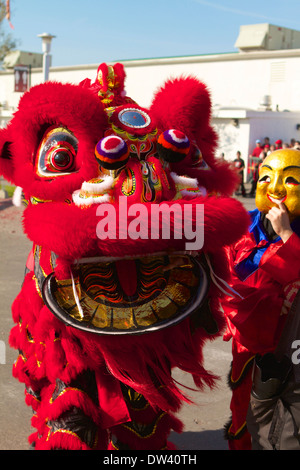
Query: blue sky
<point x="94" y="31"/>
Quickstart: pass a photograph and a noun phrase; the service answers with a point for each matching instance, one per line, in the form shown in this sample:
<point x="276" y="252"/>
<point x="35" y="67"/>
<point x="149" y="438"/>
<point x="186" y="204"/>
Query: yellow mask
<point x="279" y="181"/>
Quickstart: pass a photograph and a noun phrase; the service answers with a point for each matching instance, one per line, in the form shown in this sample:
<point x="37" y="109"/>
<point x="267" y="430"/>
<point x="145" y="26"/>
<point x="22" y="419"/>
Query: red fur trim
<point x="219" y="179"/>
<point x="192" y="98"/>
<point x="119" y="70"/>
<point x="104" y="69"/>
<point x="19" y="371"/>
<point x="61" y="439"/>
<point x="70" y="397"/>
<point x="6" y="162"/>
<point x="171" y="446"/>
<point x="135" y="361"/>
<point x="35" y="367"/>
<point x="184" y="104"/>
<point x="32" y="401"/>
<point x="33" y="438"/>
<point x="156" y="440"/>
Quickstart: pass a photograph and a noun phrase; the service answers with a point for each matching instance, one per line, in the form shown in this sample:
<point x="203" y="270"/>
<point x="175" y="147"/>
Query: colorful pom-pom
<point x="173" y="145"/>
<point x="112" y="152"/>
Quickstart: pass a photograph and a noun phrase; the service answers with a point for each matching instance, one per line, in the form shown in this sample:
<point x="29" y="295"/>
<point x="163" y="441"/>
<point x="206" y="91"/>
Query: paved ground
<point x="203" y="421"/>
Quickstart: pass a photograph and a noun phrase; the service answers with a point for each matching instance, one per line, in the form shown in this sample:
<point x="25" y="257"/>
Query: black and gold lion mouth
<point x="133" y="296"/>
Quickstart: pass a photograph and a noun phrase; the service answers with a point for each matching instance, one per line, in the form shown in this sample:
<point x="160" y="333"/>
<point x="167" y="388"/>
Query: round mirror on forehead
<point x="134" y="118"/>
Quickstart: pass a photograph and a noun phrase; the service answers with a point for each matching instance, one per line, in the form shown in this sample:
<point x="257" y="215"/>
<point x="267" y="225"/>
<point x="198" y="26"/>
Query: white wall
<point x="234" y="79"/>
<point x="238" y="79"/>
<point x="231" y="138"/>
<point x="274" y="125"/>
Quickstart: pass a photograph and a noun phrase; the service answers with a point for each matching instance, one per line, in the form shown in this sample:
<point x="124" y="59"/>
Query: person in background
<point x="239" y="164"/>
<point x="278" y="144"/>
<point x="256" y="163"/>
<point x="297" y="145"/>
<point x="265" y="278"/>
<point x="272" y="149"/>
<point x="263" y="155"/>
<point x="257" y="150"/>
<point x="254" y="160"/>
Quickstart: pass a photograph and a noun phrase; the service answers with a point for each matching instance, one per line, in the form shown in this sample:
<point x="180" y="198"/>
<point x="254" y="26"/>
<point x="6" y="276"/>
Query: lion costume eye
<point x="57" y="152"/>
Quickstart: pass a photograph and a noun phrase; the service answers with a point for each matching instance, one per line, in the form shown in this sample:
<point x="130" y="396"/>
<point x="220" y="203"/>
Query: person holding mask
<point x="265" y="268"/>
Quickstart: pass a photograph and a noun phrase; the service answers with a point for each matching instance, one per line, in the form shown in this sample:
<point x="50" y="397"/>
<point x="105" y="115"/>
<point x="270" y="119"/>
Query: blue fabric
<point x="250" y="264"/>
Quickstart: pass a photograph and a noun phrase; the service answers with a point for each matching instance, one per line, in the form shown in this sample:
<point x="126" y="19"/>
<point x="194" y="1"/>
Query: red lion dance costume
<point x="102" y="321"/>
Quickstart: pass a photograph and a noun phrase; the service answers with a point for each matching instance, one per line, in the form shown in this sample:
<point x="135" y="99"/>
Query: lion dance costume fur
<point x="101" y="321"/>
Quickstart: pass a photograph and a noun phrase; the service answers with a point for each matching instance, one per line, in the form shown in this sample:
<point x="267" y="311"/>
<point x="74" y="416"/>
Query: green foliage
<point x="7" y="42"/>
<point x="10" y="190"/>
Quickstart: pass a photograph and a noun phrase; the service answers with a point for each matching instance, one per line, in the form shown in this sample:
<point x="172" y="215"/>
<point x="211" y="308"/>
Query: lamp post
<point x="46" y="45"/>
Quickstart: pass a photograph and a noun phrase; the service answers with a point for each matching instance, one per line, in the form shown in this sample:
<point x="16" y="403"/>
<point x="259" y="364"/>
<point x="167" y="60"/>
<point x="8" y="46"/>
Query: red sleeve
<point x="284" y="265"/>
<point x="255" y="320"/>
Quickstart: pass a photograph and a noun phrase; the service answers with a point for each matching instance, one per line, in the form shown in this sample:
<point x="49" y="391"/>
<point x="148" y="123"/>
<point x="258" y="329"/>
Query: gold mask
<point x="279" y="181"/>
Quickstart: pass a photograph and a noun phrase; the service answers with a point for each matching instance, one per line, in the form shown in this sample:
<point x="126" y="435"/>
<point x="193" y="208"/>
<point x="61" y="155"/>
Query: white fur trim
<point x="175" y="137"/>
<point x="88" y="201"/>
<point x="184" y="180"/>
<point x="98" y="188"/>
<point x="115" y="149"/>
<point x="17" y="196"/>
